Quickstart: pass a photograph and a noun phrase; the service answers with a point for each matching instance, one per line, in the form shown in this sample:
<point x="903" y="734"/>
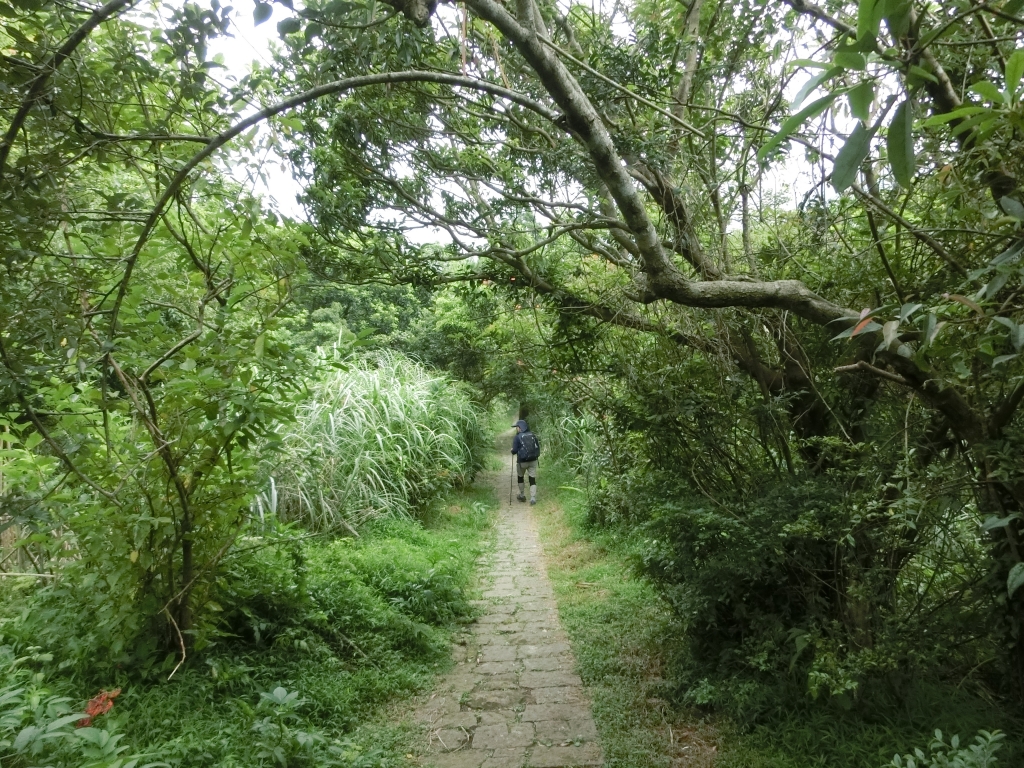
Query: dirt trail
<point x="513" y="698"/>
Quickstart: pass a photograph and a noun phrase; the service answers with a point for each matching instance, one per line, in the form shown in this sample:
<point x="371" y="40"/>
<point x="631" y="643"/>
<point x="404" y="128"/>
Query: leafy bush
<point x="382" y="437"/>
<point x="981" y="754"/>
<point x="40" y="726"/>
<point x="311" y="637"/>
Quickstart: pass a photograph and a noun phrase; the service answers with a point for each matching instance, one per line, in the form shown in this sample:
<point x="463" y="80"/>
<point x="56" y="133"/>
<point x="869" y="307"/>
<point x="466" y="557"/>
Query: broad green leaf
<point x="262" y="12"/>
<point x="867" y="325"/>
<point x="1014" y="71"/>
<point x="890" y="332"/>
<point x="26" y="736"/>
<point x="313" y="29"/>
<point x="1012" y="207"/>
<point x="995" y="285"/>
<point x="1015" y="579"/>
<point x="907" y="310"/>
<point x="924" y="74"/>
<point x="850" y="60"/>
<point x="809" y="64"/>
<point x="956" y="114"/>
<point x="973" y="122"/>
<point x="1010" y="255"/>
<point x="869" y="16"/>
<point x="860" y="100"/>
<point x="288" y="26"/>
<point x="794" y="122"/>
<point x="813" y="83"/>
<point x="992" y="522"/>
<point x="989" y="91"/>
<point x="897" y="16"/>
<point x="900" y="145"/>
<point x="1016" y="332"/>
<point x="848" y="161"/>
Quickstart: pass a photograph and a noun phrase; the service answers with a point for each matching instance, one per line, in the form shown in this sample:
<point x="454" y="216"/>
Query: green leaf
<point x="262" y="12"/>
<point x="900" y="145"/>
<point x="1010" y="255"/>
<point x="313" y="29"/>
<point x="897" y="16"/>
<point x="869" y="16"/>
<point x="1012" y="207"/>
<point x="809" y="64"/>
<point x="907" y="310"/>
<point x="813" y="83"/>
<point x="794" y="122"/>
<point x="1015" y="579"/>
<point x="988" y="91"/>
<point x="956" y="114"/>
<point x="850" y="60"/>
<point x="1014" y="71"/>
<point x="848" y="161"/>
<point x="288" y="26"/>
<point x="923" y="74"/>
<point x="860" y="100"/>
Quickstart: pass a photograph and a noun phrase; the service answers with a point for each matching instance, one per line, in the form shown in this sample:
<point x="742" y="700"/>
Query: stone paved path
<point x="513" y="698"/>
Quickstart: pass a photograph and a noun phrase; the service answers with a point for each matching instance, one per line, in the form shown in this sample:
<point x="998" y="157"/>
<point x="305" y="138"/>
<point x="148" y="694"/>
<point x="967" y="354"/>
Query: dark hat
<point x="522" y="425"/>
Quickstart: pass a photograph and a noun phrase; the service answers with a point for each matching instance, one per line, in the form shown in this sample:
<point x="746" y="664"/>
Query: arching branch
<point x="328" y="89"/>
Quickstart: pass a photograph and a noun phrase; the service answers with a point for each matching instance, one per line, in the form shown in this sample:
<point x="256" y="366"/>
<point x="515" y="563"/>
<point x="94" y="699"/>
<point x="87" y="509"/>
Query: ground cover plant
<point x="315" y="637"/>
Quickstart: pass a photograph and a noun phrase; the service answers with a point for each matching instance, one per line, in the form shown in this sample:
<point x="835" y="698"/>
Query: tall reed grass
<point x="382" y="437"/>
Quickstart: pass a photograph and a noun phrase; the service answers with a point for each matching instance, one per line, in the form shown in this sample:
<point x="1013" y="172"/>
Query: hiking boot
<point x="532" y="502"/>
<point x="520" y="497"/>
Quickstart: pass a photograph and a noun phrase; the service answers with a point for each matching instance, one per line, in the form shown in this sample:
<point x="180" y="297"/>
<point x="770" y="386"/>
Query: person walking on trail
<point x="526" y="447"/>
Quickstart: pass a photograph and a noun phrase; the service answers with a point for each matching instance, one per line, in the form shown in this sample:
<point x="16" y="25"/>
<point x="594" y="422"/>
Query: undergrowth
<point x="632" y="653"/>
<point x="315" y="638"/>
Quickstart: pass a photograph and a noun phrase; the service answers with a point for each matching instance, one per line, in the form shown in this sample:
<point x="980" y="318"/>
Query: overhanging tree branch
<point x="39" y="81"/>
<point x="328" y="89"/>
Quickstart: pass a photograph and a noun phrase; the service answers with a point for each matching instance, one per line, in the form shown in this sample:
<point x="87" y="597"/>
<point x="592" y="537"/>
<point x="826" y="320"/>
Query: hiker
<point x="526" y="447"/>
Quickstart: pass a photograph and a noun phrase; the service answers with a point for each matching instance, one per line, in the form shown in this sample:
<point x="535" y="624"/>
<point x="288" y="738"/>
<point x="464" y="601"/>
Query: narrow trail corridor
<point x="513" y="698"/>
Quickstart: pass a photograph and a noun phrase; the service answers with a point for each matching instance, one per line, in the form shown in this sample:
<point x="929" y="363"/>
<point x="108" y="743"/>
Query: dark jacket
<point x="517" y="443"/>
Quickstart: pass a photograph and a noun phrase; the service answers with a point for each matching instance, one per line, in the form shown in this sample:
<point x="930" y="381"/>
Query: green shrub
<point x="981" y="754"/>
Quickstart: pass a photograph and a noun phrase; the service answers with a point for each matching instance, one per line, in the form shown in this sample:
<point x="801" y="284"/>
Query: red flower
<point x="99" y="704"/>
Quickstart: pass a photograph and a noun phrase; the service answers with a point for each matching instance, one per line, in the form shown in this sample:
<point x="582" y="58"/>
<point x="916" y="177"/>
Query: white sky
<point x="251" y="43"/>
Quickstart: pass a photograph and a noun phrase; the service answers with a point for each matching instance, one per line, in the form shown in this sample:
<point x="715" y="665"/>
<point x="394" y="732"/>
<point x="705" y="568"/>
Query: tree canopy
<point x="608" y="177"/>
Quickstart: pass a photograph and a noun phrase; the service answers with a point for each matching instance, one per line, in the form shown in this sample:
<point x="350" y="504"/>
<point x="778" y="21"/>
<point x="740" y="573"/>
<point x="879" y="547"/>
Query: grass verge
<point x="620" y="631"/>
<point x="629" y="649"/>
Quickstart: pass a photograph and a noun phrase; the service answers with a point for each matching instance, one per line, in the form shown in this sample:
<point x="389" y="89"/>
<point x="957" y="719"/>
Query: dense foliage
<point x="311" y="637"/>
<point x="756" y="266"/>
<point x="383" y="436"/>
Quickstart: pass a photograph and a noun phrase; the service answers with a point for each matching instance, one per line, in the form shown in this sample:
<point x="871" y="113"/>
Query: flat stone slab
<point x="565" y="757"/>
<point x="513" y="699"/>
<point x="503" y="736"/>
